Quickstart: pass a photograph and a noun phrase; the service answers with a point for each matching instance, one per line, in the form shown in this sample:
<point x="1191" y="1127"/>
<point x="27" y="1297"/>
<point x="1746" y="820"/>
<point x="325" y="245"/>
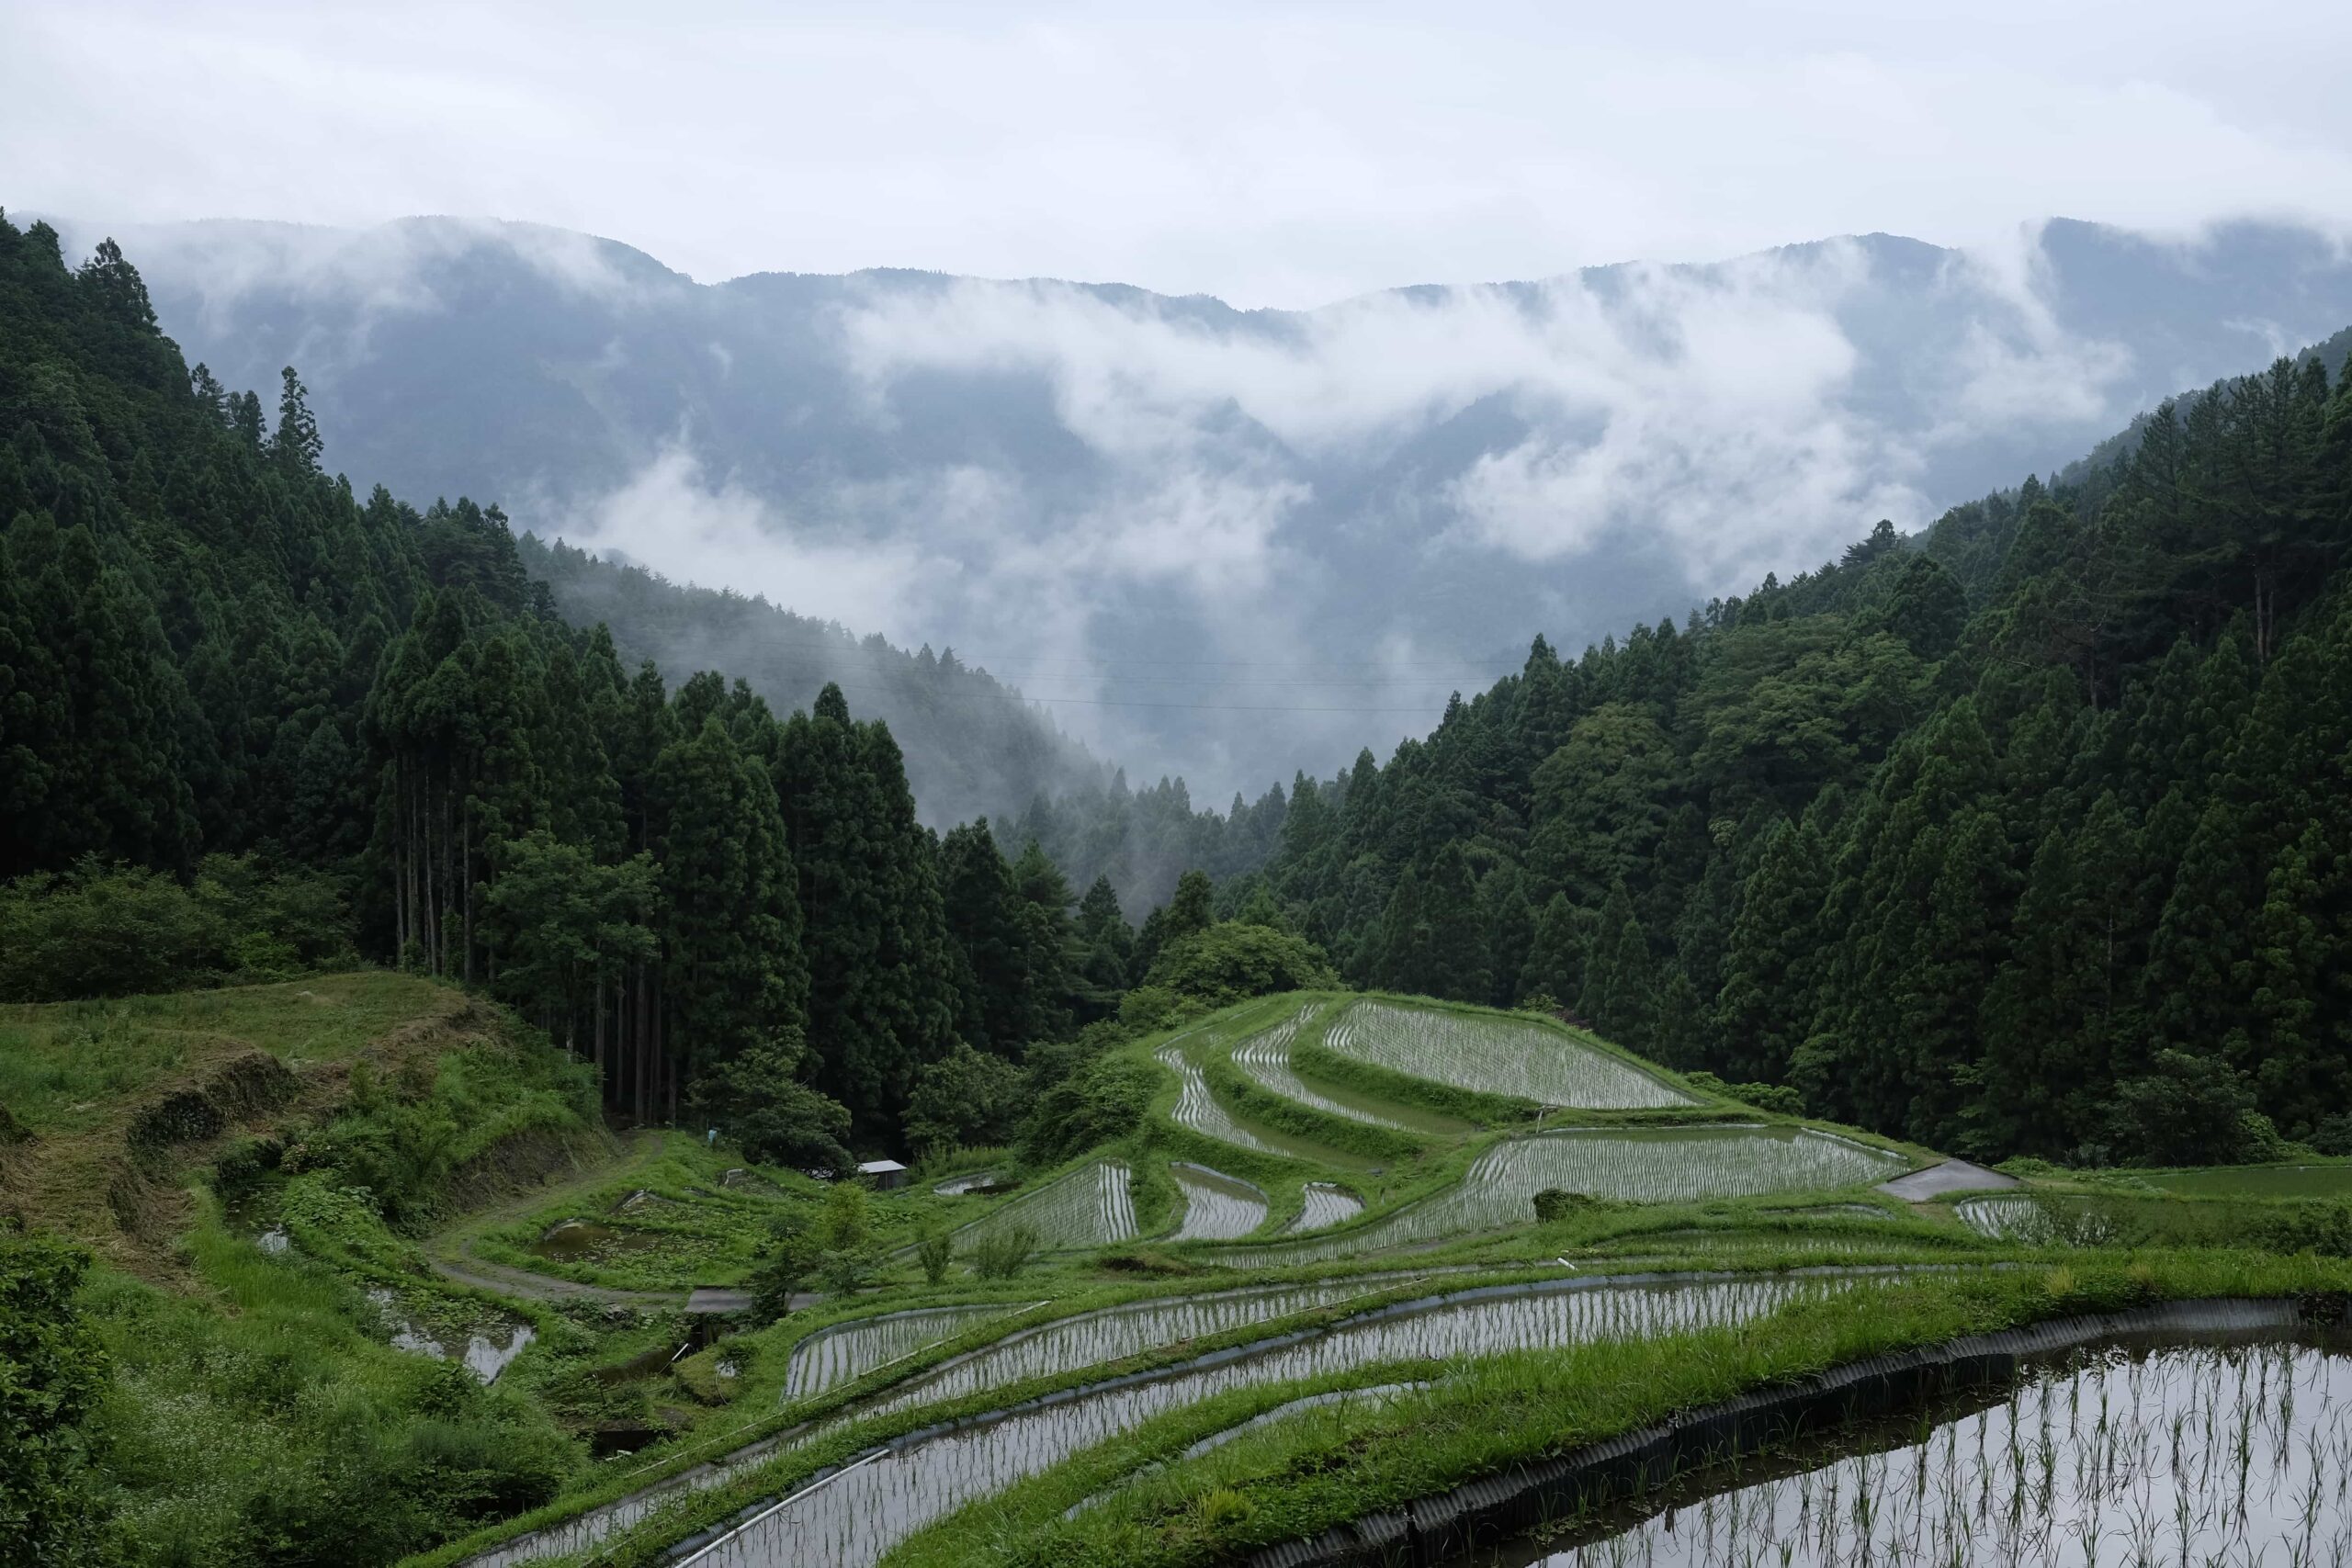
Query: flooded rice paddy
<point x="1648" y="1165"/>
<point x="847" y="1352"/>
<point x="1061" y="1345"/>
<point x="1495" y="1055"/>
<point x="1114" y="1334"/>
<point x="1218" y="1207"/>
<point x="1321" y="1205"/>
<point x="1089" y="1207"/>
<point x="1265" y="1058"/>
<point x="2034" y="1221"/>
<point x="2202" y="1456"/>
<point x="852" y="1517"/>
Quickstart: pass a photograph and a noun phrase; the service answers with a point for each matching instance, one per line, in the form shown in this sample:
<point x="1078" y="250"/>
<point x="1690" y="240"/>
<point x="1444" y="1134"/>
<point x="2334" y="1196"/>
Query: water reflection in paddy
<point x="2210" y="1455"/>
<point x="852" y="1517"/>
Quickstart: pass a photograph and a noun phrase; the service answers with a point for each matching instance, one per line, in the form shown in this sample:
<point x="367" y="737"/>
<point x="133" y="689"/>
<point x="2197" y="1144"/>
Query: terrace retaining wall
<point x="1495" y="1510"/>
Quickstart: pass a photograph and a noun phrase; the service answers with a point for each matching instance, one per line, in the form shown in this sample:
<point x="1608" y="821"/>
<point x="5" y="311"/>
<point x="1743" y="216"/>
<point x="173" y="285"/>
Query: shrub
<point x="758" y="1103"/>
<point x="966" y="1099"/>
<point x="102" y="930"/>
<point x="52" y="1374"/>
<point x="1099" y="1103"/>
<point x="1780" y="1098"/>
<point x="935" y="1252"/>
<point x="1231" y="962"/>
<point x="1003" y="1251"/>
<point x="1148" y="1009"/>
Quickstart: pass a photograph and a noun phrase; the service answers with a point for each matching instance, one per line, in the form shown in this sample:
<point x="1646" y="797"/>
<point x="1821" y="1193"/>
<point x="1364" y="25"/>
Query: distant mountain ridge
<point x="1228" y="543"/>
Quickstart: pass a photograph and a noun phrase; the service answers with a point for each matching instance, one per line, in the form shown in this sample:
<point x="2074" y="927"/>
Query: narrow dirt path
<point x="452" y="1253"/>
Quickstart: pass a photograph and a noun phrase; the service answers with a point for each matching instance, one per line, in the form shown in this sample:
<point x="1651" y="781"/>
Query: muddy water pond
<point x="851" y="1519"/>
<point x="2210" y="1455"/>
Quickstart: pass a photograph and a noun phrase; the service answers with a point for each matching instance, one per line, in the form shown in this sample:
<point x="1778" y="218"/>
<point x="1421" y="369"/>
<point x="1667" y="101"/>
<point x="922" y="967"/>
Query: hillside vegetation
<point x="2029" y="836"/>
<point x="250" y="723"/>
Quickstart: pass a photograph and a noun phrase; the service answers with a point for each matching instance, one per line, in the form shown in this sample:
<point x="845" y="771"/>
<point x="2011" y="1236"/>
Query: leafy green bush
<point x="1779" y="1098"/>
<point x="758" y="1103"/>
<point x="835" y="1248"/>
<point x="968" y="1098"/>
<point x="110" y="932"/>
<point x="52" y="1372"/>
<point x="1231" y="962"/>
<point x="1101" y="1101"/>
<point x="1149" y="1009"/>
<point x="1003" y="1251"/>
<point x="933" y="1253"/>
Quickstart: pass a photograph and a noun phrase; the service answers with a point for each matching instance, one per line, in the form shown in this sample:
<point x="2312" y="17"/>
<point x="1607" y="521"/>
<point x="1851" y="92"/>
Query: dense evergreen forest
<point x="974" y="747"/>
<point x="2031" y="835"/>
<point x="237" y="701"/>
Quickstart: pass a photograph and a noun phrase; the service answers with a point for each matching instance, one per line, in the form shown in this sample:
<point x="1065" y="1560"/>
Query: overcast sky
<point x="1268" y="154"/>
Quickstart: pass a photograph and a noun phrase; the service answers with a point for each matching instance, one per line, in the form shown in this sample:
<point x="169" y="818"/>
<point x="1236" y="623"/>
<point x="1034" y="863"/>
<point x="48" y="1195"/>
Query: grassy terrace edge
<point x="800" y="1463"/>
<point x="1288" y="1483"/>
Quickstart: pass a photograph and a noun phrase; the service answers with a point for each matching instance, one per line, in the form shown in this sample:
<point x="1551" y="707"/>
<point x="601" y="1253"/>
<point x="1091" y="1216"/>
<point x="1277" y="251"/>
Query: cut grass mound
<point x="116" y="1099"/>
<point x="1491" y="1053"/>
<point x="67" y="1066"/>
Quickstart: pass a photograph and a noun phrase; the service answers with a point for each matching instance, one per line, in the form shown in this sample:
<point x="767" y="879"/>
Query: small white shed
<point x="884" y="1173"/>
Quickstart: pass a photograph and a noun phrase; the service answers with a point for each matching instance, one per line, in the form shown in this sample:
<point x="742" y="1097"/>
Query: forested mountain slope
<point x="1331" y="511"/>
<point x="2032" y="835"/>
<point x="973" y="746"/>
<point x="210" y="648"/>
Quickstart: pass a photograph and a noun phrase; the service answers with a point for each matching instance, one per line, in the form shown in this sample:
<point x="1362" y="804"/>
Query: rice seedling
<point x="1495" y="1055"/>
<point x="1650" y="1164"/>
<point x="1217" y="1206"/>
<point x="852" y="1517"/>
<point x="1196" y="1107"/>
<point x="2217" y="1456"/>
<point x="847" y="1352"/>
<point x="2035" y="1221"/>
<point x="1089" y="1207"/>
<point x="1323" y="1204"/>
<point x="1265" y="1056"/>
<point x="1114" y="1334"/>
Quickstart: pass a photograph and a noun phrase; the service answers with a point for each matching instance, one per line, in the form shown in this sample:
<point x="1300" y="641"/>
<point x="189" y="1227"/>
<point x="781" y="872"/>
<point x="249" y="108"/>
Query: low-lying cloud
<point x="1223" y="543"/>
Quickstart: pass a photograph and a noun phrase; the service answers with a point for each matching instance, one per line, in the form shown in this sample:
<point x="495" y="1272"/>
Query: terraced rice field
<point x="1665" y="1164"/>
<point x="847" y="1352"/>
<point x="1196" y="1107"/>
<point x="1217" y="1207"/>
<point x="1321" y="1206"/>
<point x="2035" y="1221"/>
<point x="2257" y="1180"/>
<point x="1265" y="1058"/>
<point x="852" y="1517"/>
<point x="2215" y="1457"/>
<point x="1114" y="1334"/>
<point x="1089" y="1207"/>
<point x="1199" y="1109"/>
<point x="1495" y="1055"/>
